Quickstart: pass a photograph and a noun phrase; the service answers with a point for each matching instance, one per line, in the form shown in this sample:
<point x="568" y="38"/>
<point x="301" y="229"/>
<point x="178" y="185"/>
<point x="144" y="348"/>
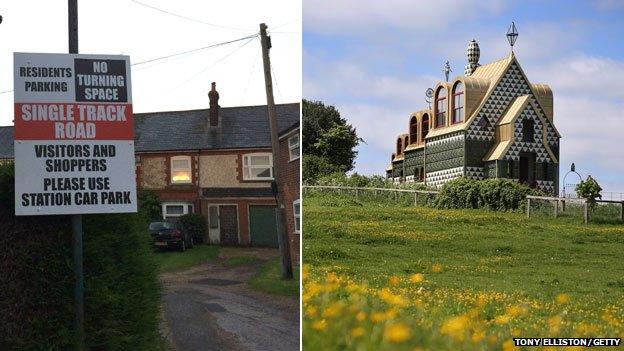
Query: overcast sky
<point x="374" y="60"/>
<point x="128" y="28"/>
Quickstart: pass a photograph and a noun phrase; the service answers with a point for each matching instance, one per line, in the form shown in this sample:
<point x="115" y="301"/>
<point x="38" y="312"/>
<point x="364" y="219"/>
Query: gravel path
<point x="210" y="307"/>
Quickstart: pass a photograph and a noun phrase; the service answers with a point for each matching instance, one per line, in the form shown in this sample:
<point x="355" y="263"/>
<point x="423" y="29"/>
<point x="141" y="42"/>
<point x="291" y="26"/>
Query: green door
<point x="263" y="226"/>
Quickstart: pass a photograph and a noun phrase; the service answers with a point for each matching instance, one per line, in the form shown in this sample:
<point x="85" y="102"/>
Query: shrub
<point x="36" y="299"/>
<point x="589" y="189"/>
<point x="150" y="205"/>
<point x="493" y="194"/>
<point x="315" y="167"/>
<point x="195" y="224"/>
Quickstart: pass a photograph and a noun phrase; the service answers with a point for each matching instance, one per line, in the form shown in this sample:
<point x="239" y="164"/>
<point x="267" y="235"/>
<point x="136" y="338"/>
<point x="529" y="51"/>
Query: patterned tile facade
<point x="437" y="179"/>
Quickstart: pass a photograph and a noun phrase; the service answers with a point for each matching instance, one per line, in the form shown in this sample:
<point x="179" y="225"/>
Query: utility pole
<point x="282" y="237"/>
<point x="72" y="27"/>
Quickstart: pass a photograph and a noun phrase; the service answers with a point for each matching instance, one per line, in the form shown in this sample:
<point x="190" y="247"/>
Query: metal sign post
<point x="72" y="27"/>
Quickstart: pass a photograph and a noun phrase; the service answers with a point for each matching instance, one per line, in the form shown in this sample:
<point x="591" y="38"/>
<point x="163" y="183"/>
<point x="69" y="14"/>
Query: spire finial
<point x="512" y="35"/>
<point x="472" y="53"/>
<point x="447" y="70"/>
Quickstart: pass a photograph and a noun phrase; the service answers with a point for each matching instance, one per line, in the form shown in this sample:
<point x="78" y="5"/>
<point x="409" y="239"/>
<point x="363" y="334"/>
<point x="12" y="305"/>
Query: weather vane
<point x="512" y="35"/>
<point x="447" y="70"/>
<point x="428" y="96"/>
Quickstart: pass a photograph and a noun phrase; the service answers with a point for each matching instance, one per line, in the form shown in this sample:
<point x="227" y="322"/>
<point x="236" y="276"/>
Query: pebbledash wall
<point x="217" y="162"/>
<point x="490" y="123"/>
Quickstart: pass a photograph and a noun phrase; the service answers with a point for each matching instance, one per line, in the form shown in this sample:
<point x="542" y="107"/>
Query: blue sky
<point x="374" y="60"/>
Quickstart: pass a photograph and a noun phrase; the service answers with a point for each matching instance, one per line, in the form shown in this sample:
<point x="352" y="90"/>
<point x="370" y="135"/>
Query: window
<point x="440" y="106"/>
<point x="258" y="166"/>
<point x="413" y="130"/>
<point x="510" y="165"/>
<point x="527" y="130"/>
<point x="293" y="147"/>
<point x="425" y="126"/>
<point x="458" y="103"/>
<point x="545" y="171"/>
<point x="297" y="215"/>
<point x="405" y="142"/>
<point x="173" y="209"/>
<point x="213" y="215"/>
<point x="399" y="149"/>
<point x="181" y="169"/>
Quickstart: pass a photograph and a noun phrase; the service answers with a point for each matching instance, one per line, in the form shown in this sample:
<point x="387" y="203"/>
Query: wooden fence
<point x="559" y="204"/>
<point x="375" y="191"/>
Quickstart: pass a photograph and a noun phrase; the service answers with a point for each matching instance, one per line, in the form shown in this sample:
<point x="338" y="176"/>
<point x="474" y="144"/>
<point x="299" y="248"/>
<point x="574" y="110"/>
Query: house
<point x="217" y="162"/>
<point x="490" y="123"/>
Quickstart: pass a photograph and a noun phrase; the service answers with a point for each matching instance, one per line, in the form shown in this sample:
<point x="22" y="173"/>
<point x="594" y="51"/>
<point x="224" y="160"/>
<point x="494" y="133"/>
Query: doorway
<point x="527" y="169"/>
<point x="223" y="224"/>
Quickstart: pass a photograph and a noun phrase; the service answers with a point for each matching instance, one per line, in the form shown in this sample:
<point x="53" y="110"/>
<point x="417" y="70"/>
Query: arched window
<point x="424" y="126"/>
<point x="399" y="148"/>
<point x="440" y="108"/>
<point x="405" y="142"/>
<point x="458" y="103"/>
<point x="392" y="158"/>
<point x="413" y="130"/>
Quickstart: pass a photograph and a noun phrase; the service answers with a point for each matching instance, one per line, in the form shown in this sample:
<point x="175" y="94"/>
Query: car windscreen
<point x="160" y="225"/>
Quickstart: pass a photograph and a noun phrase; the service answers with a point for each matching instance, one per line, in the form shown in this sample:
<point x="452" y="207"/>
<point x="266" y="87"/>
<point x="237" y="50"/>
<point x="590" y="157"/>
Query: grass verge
<point x="269" y="280"/>
<point x="173" y="260"/>
<point x="393" y="277"/>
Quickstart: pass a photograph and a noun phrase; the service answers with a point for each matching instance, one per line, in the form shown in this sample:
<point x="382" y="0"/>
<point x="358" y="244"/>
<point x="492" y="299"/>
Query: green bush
<point x="36" y="275"/>
<point x="492" y="194"/>
<point x="315" y="167"/>
<point x="150" y="204"/>
<point x="357" y="180"/>
<point x="195" y="224"/>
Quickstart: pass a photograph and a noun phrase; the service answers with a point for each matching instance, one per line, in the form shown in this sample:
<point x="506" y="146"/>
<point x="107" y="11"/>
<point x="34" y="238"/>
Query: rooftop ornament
<point x="512" y="35"/>
<point x="447" y="70"/>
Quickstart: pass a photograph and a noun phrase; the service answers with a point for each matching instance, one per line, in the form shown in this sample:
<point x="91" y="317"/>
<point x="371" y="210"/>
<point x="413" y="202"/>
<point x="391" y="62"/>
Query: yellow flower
<point x="319" y="325"/>
<point x="332" y="310"/>
<point x="311" y="311"/>
<point x="357" y="332"/>
<point x="554" y="324"/>
<point x="392" y="299"/>
<point x="502" y="319"/>
<point x="509" y="346"/>
<point x="397" y="332"/>
<point x="417" y="278"/>
<point x="360" y="316"/>
<point x="394" y="280"/>
<point x="305" y="272"/>
<point x="515" y="311"/>
<point x="455" y="327"/>
<point x="562" y="299"/>
<point x="478" y="335"/>
<point x="436" y="268"/>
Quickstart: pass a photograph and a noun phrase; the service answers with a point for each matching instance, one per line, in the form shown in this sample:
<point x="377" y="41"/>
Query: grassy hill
<point x="380" y="276"/>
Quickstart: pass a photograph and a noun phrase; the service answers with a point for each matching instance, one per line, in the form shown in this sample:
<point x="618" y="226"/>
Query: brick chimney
<point x="213" y="113"/>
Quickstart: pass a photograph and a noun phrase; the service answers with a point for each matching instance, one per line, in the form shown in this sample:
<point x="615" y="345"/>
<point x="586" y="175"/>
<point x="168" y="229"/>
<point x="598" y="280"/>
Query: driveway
<point x="211" y="307"/>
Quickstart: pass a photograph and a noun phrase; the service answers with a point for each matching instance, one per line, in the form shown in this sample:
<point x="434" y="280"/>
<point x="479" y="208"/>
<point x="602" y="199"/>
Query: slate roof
<point x="241" y="127"/>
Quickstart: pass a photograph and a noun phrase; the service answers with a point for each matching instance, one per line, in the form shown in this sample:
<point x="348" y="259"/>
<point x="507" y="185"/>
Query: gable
<point x="536" y="145"/>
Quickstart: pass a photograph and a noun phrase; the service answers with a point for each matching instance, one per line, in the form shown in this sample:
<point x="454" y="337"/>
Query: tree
<point x="589" y="189"/>
<point x="329" y="138"/>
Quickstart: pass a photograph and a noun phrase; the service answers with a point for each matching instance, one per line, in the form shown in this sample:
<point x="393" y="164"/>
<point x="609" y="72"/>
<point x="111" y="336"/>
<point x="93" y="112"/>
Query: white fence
<point x="357" y="191"/>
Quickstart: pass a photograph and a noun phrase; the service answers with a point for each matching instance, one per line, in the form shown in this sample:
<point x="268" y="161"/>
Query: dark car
<point x="167" y="233"/>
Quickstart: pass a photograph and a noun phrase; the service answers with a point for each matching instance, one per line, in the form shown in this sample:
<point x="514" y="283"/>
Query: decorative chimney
<point x="213" y="113"/>
<point x="473" y="52"/>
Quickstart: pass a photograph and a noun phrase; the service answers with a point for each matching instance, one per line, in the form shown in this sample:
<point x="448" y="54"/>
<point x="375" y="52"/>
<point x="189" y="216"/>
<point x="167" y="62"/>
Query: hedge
<point x="492" y="194"/>
<point x="36" y="279"/>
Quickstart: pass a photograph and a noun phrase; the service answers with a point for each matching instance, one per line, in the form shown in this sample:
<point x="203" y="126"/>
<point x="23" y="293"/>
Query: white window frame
<point x="297" y="216"/>
<point x="190" y="169"/>
<point x="247" y="165"/>
<point x="185" y="208"/>
<point x="296" y="146"/>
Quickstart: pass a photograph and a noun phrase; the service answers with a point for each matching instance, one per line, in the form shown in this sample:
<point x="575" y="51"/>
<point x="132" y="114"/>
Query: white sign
<point x="74" y="134"/>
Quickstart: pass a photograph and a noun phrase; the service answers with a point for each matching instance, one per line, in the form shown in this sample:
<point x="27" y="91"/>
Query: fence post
<point x="585" y="213"/>
<point x="357" y="195"/>
<point x="528" y="207"/>
<point x="556" y="203"/>
<point x="562" y="205"/>
<point x="622" y="212"/>
<point x="416" y="200"/>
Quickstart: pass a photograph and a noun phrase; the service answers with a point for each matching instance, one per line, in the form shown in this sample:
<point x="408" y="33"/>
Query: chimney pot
<point x="213" y="113"/>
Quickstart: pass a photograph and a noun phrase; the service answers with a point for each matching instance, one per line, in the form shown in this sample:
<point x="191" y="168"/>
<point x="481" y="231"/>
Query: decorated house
<point x="490" y="123"/>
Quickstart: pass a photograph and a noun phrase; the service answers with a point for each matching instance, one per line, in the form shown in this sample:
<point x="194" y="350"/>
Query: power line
<point x="195" y="50"/>
<point x="253" y="68"/>
<point x="213" y="64"/>
<point x="187" y="18"/>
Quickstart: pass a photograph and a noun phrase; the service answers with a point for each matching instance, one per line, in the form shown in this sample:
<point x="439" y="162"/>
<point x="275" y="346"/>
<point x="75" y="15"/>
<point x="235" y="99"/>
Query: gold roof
<point x="414" y="146"/>
<point x="497" y="151"/>
<point x="516" y="106"/>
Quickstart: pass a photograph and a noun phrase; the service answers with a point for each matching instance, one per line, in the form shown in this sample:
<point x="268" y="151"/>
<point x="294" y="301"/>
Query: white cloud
<point x="366" y="16"/>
